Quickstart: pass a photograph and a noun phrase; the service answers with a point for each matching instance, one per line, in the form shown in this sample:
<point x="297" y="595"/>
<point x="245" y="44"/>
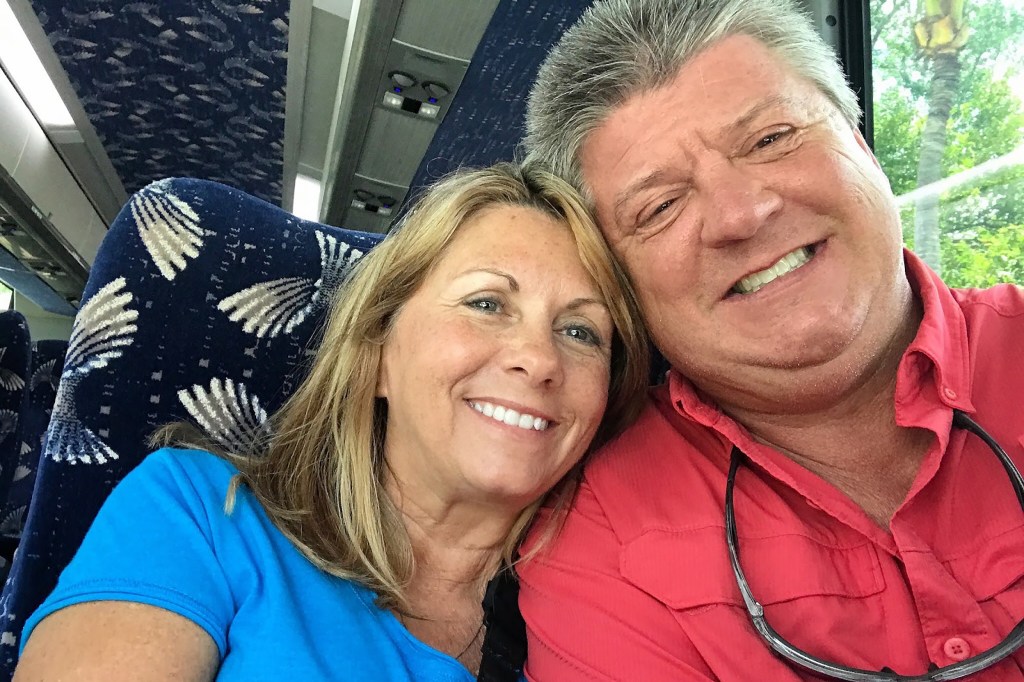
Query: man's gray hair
<point x="620" y="48"/>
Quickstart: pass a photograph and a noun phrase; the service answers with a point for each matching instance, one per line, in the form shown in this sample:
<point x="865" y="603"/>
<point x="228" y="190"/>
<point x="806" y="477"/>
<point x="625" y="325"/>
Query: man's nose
<point x="738" y="203"/>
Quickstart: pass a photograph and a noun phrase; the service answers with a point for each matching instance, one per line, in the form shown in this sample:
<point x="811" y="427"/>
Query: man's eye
<point x="771" y="139"/>
<point x="662" y="207"/>
<point x="650" y="215"/>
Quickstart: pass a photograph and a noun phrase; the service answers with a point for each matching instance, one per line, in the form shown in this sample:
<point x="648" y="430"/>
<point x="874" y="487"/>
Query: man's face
<point x="756" y="224"/>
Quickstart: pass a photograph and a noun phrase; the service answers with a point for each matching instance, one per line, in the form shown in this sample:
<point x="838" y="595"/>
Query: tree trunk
<point x="945" y="80"/>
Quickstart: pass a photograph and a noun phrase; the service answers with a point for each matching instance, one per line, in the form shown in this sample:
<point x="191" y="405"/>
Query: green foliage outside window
<point x="980" y="223"/>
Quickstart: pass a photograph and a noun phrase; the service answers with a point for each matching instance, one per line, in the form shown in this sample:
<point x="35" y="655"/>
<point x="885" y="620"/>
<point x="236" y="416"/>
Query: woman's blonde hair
<point x="320" y="473"/>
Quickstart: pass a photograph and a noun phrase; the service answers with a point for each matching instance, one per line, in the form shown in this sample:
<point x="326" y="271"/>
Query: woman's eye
<point x="487" y="305"/>
<point x="583" y="334"/>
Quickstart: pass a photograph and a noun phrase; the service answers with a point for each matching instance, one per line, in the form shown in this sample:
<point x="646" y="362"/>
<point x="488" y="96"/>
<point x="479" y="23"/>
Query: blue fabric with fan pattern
<point x="15" y="358"/>
<point x="47" y="362"/>
<point x="180" y="88"/>
<point x="202" y="304"/>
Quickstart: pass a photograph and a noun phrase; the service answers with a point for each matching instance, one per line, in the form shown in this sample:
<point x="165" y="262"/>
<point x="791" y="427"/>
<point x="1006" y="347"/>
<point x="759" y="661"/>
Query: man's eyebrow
<point x="747" y="117"/>
<point x="656" y="177"/>
<point x="652" y="179"/>
<point x="512" y="283"/>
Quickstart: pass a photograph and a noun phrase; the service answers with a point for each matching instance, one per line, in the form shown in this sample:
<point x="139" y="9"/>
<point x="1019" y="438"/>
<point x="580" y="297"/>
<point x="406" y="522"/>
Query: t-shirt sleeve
<point x="153" y="543"/>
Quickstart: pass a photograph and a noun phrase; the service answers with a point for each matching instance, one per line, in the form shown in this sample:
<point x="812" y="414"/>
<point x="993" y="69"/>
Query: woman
<point x="464" y="372"/>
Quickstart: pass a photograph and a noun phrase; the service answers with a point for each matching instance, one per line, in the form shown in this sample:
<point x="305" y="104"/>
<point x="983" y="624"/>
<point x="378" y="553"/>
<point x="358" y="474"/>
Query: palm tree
<point x="940" y="34"/>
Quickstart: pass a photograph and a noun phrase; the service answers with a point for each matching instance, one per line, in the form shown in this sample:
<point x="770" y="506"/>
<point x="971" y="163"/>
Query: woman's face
<point x="496" y="370"/>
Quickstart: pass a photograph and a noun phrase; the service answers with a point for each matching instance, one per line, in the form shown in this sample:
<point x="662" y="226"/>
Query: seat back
<point x="45" y="369"/>
<point x="202" y="304"/>
<point x="15" y="357"/>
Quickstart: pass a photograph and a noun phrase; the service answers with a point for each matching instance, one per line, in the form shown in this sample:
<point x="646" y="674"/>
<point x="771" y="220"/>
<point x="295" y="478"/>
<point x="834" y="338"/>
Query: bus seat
<point x="47" y="362"/>
<point x="202" y="304"/>
<point x="485" y="120"/>
<point x="15" y="356"/>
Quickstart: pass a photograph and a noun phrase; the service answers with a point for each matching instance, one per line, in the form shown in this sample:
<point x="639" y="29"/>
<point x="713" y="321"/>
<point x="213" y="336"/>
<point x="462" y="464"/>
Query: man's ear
<point x="863" y="144"/>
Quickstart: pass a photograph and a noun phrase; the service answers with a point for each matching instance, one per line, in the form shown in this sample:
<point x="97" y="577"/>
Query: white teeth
<point x="510" y="417"/>
<point x="786" y="264"/>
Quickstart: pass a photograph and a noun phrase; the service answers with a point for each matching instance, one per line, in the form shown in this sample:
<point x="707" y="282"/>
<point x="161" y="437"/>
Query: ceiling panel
<point x="179" y="89"/>
<point x="394" y="145"/>
<point x="449" y="27"/>
<point x="323" y="66"/>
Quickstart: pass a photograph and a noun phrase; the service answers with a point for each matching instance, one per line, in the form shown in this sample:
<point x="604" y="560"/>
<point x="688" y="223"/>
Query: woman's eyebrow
<point x="578" y="303"/>
<point x="512" y="283"/>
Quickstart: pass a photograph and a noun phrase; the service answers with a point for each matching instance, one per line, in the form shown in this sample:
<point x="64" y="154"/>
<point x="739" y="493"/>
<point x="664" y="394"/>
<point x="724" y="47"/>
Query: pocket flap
<point x="993" y="566"/>
<point x="690" y="568"/>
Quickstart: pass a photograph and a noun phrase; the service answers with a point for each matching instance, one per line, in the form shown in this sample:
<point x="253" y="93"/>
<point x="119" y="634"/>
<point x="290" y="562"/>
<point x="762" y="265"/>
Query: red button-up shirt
<point x="638" y="585"/>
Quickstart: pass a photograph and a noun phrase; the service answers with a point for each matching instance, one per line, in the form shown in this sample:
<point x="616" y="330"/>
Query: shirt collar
<point x="938" y="356"/>
<point x="939" y="353"/>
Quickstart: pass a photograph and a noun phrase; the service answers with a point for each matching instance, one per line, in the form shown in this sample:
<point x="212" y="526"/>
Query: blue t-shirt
<point x="162" y="538"/>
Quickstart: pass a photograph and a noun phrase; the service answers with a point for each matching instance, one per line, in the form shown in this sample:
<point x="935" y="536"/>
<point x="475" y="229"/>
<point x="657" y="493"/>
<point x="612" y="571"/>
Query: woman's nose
<point x="534" y="353"/>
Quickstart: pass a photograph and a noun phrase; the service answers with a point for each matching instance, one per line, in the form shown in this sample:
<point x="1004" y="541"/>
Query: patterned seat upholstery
<point x="202" y="304"/>
<point x="47" y="362"/>
<point x="15" y="357"/>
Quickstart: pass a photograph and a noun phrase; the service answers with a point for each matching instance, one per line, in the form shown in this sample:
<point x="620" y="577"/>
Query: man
<point x="717" y="142"/>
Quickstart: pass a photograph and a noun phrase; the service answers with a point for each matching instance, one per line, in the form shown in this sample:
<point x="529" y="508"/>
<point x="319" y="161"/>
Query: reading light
<point x="23" y="66"/>
<point x="436" y="90"/>
<point x="402" y="79"/>
<point x="306" y="199"/>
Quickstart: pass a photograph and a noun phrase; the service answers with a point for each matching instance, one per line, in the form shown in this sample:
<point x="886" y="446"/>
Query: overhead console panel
<point x="407" y="62"/>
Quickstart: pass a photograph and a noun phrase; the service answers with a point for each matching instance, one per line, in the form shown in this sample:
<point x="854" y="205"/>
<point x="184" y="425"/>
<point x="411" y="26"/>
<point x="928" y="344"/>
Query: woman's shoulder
<point x="184" y="465"/>
<point x="188" y="481"/>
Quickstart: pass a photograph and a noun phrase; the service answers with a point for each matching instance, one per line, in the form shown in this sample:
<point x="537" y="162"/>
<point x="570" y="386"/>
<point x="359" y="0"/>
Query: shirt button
<point x="957" y="648"/>
<point x="949" y="393"/>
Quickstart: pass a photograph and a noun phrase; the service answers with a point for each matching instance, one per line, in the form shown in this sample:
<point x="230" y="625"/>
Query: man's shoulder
<point x="1004" y="301"/>
<point x="638" y="477"/>
<point x="994" y="324"/>
<point x="660" y="435"/>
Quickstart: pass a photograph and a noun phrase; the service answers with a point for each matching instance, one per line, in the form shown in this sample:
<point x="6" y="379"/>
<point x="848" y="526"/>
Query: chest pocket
<point x="690" y="569"/>
<point x="994" y="574"/>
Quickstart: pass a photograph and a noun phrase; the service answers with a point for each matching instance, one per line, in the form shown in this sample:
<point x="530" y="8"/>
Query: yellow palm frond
<point x="943" y="29"/>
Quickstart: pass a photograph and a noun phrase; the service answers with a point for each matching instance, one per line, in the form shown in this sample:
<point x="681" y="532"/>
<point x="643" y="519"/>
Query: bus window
<point x="948" y="88"/>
